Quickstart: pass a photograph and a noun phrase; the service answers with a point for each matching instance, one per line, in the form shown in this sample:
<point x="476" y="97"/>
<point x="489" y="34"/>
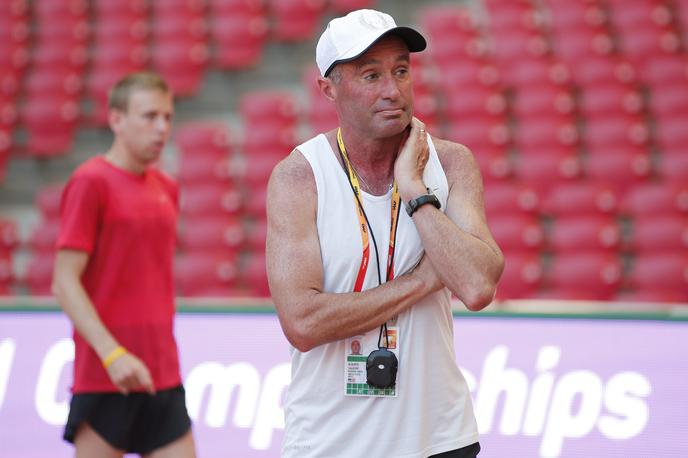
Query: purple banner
<point x="541" y="386"/>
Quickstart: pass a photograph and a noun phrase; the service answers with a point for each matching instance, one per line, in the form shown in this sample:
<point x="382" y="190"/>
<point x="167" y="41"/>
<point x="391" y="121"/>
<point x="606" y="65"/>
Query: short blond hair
<point x="119" y="95"/>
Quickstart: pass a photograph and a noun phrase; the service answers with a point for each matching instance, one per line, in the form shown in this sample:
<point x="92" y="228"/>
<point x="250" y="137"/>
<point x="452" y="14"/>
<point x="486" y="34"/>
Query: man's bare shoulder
<point x="457" y="160"/>
<point x="293" y="173"/>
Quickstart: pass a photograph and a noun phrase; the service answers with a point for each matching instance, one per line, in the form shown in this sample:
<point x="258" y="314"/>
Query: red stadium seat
<point x="452" y="34"/>
<point x="239" y="39"/>
<point x="252" y="274"/>
<point x="580" y="199"/>
<point x="255" y="203"/>
<point x="220" y="235"/>
<point x="543" y="172"/>
<point x="659" y="234"/>
<point x="39" y="274"/>
<point x="670" y="131"/>
<point x="344" y="6"/>
<point x="610" y="98"/>
<point x="494" y="165"/>
<point x="296" y="20"/>
<point x="123" y="9"/>
<point x="256" y="234"/>
<point x="269" y="106"/>
<point x="514" y="47"/>
<point x="666" y="272"/>
<point x="673" y="165"/>
<point x="545" y="131"/>
<point x="48" y="201"/>
<point x="620" y="169"/>
<point x="662" y="69"/>
<point x="670" y="99"/>
<point x="463" y="103"/>
<point x="50" y="124"/>
<point x="204" y="138"/>
<point x="543" y="98"/>
<point x="268" y="139"/>
<point x="182" y="63"/>
<point x="66" y="9"/>
<point x="511" y="14"/>
<point x="615" y="131"/>
<point x="9" y="238"/>
<point x="595" y="233"/>
<point x="522" y="276"/>
<point x="6" y="272"/>
<point x="479" y="133"/>
<point x="577" y="47"/>
<point x="468" y="72"/>
<point x="517" y="232"/>
<point x="45" y="83"/>
<point x="44" y="236"/>
<point x="210" y="199"/>
<point x="198" y="169"/>
<point x="537" y="71"/>
<point x="254" y="171"/>
<point x="656" y="199"/>
<point x="564" y="15"/>
<point x="583" y="276"/>
<point x="205" y="274"/>
<point x="507" y="198"/>
<point x="604" y="69"/>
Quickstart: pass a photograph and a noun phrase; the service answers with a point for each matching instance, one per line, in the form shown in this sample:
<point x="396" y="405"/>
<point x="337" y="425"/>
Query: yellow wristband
<point x="113" y="356"/>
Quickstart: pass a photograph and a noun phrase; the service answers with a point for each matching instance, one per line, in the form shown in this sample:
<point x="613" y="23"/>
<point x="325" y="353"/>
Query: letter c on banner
<point x="47" y="406"/>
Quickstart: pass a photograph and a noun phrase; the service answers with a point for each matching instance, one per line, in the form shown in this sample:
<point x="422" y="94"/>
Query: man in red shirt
<point x="114" y="279"/>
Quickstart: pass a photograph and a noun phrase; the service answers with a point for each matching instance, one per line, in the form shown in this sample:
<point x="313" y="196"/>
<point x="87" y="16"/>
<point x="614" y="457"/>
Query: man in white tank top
<point x="371" y="227"/>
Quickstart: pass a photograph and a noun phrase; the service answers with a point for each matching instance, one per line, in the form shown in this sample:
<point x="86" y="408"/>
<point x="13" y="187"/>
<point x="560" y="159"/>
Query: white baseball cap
<point x="348" y="37"/>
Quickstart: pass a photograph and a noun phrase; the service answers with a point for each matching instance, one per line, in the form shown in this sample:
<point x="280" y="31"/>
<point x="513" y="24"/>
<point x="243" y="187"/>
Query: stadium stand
<point x="575" y="110"/>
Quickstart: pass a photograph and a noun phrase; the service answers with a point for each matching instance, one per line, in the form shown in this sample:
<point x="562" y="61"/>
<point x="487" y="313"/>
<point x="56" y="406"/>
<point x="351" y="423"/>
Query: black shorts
<point x="469" y="451"/>
<point x="136" y="423"/>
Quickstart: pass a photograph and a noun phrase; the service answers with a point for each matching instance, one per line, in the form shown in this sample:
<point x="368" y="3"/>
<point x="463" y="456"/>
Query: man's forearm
<point x="467" y="265"/>
<point x="325" y="317"/>
<point x="75" y="302"/>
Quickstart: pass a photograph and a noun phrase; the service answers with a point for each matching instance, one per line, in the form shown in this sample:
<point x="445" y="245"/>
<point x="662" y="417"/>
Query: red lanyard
<point x="364" y="224"/>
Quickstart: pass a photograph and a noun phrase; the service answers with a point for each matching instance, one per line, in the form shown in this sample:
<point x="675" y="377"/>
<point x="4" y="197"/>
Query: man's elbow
<point x="477" y="298"/>
<point x="299" y="334"/>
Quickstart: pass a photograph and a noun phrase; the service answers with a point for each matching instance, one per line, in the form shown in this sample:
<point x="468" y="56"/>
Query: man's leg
<point x="88" y="443"/>
<point x="181" y="448"/>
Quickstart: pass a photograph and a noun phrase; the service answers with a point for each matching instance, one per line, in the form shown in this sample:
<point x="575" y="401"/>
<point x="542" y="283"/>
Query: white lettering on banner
<point x="622" y="396"/>
<point x="48" y="408"/>
<point x="263" y="413"/>
<point x="494" y="380"/>
<point x="555" y="406"/>
<point x="222" y="381"/>
<point x="7" y="350"/>
<point x="270" y="414"/>
<point x="563" y="423"/>
<point x="541" y="390"/>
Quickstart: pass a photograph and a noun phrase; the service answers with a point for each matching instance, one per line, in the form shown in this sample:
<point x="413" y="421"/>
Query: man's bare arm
<point x="457" y="242"/>
<point x="127" y="372"/>
<point x="309" y="316"/>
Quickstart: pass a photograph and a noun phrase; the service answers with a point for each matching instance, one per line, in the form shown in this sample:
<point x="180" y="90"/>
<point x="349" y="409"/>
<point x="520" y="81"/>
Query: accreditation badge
<point x="356" y="355"/>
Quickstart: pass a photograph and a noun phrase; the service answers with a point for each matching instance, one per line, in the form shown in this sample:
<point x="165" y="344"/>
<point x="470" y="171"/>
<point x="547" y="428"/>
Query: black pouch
<point x="381" y="369"/>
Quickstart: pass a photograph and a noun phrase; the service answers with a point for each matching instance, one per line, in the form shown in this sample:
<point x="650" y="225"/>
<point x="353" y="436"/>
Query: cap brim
<point x="413" y="39"/>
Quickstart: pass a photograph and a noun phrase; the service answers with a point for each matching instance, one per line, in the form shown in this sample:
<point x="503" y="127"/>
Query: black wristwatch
<point x="415" y="204"/>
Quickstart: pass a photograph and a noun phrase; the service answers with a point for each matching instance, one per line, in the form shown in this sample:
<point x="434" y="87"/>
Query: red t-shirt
<point x="127" y="224"/>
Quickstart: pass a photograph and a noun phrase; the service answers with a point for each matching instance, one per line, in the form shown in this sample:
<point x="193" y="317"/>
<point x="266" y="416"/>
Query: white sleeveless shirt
<point x="432" y="412"/>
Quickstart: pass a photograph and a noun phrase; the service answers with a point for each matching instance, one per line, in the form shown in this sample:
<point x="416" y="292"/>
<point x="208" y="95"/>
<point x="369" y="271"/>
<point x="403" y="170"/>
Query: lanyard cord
<point x="365" y="228"/>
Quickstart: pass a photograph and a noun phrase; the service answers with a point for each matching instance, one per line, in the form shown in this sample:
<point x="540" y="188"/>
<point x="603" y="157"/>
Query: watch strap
<point x="429" y="198"/>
